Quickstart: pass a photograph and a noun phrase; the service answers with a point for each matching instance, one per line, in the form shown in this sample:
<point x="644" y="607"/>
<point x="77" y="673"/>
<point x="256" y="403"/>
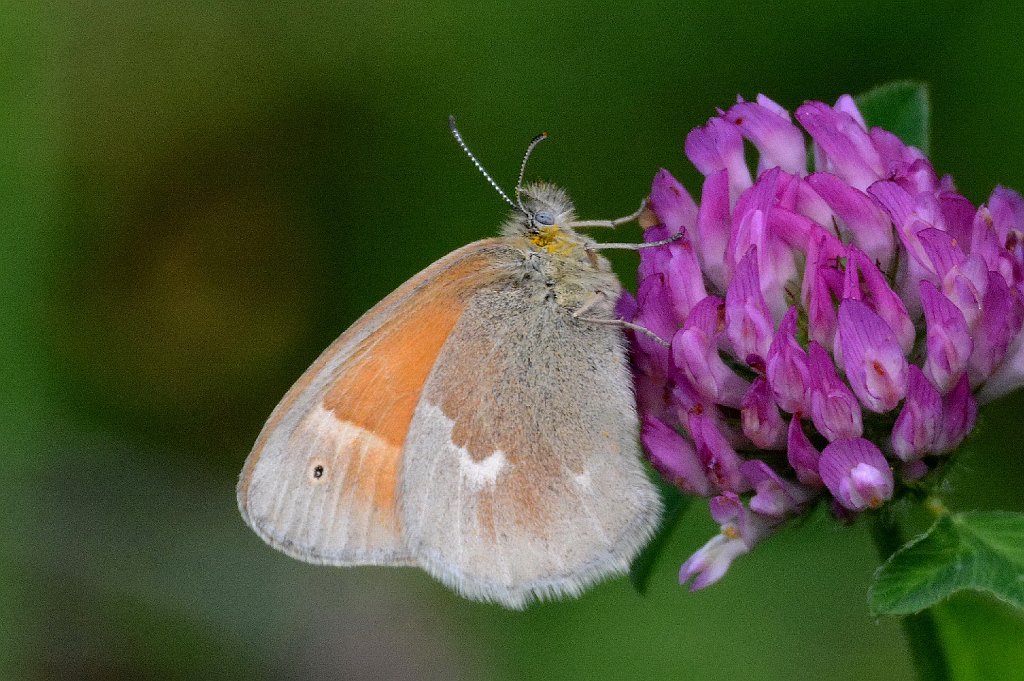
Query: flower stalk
<point x="924" y="639"/>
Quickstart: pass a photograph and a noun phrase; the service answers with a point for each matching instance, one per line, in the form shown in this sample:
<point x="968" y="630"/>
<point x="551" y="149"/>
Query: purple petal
<point x="707" y="316"/>
<point x="794" y="229"/>
<point x="847" y="148"/>
<point x="959" y="411"/>
<point x="771" y="105"/>
<point x="906" y="213"/>
<point x="821" y="312"/>
<point x="917" y="175"/>
<point x="823" y="253"/>
<point x="625" y="306"/>
<point x="672" y="204"/>
<point x="916" y="428"/>
<point x="1007" y="209"/>
<point x="906" y="164"/>
<point x="654" y="260"/>
<point x="728" y="509"/>
<point x="861" y="220"/>
<point x="1000" y="323"/>
<point x="788" y="188"/>
<point x="942" y="250"/>
<point x="760" y="416"/>
<point x="710" y="563"/>
<point x="695" y="355"/>
<point x="802" y="455"/>
<point x="848" y="105"/>
<point x="895" y="201"/>
<point x="740" y="531"/>
<point x="811" y="204"/>
<point x="711" y="147"/>
<point x="714" y="224"/>
<point x="875" y="365"/>
<point x="774" y="496"/>
<point x="652" y="393"/>
<point x="721" y="462"/>
<point x="1008" y="376"/>
<point x="966" y="286"/>
<point x="677" y="262"/>
<point x="1001" y="254"/>
<point x="865" y="282"/>
<point x="654" y="312"/>
<point x="786" y="367"/>
<point x="750" y="216"/>
<point x="685" y="399"/>
<point x="779" y="142"/>
<point x="717" y="146"/>
<point x="949" y="341"/>
<point x="748" y="322"/>
<point x="755" y="224"/>
<point x="958" y="213"/>
<point x="674" y="457"/>
<point x="834" y="408"/>
<point x="856" y="474"/>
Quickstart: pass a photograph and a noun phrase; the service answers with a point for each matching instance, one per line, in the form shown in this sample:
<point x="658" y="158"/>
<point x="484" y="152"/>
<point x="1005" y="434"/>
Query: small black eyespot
<point x="544" y="218"/>
<point x="318" y="472"/>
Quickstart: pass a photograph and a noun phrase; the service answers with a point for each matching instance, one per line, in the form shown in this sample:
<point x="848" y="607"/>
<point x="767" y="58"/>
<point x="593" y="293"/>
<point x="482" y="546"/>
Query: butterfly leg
<point x="600" y="296"/>
<point x="610" y="224"/>
<point x="622" y="323"/>
<point x="634" y="247"/>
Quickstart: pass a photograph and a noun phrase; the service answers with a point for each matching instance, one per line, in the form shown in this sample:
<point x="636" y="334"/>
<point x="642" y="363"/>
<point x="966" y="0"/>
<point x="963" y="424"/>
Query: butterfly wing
<point x="321" y="481"/>
<point x="521" y="477"/>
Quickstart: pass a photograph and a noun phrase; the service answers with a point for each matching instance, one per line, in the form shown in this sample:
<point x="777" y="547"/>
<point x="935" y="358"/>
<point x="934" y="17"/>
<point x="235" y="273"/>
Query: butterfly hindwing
<point x="521" y="477"/>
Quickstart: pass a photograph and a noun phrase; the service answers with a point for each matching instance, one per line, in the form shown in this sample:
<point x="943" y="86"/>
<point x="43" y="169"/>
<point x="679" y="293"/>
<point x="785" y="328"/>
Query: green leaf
<point x="901" y="108"/>
<point x="982" y="551"/>
<point x="674" y="504"/>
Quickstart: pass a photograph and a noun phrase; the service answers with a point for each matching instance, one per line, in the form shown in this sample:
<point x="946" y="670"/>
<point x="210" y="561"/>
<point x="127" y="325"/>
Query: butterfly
<point x="479" y="422"/>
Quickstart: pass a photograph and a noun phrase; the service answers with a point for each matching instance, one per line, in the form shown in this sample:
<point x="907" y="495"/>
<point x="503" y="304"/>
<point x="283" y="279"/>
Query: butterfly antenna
<point x="522" y="168"/>
<point x="462" y="143"/>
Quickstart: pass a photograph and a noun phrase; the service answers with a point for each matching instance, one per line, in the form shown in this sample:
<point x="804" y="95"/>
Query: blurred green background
<point x="198" y="197"/>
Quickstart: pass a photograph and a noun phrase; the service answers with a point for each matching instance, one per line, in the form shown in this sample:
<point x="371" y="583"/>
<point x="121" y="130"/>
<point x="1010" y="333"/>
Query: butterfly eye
<point x="318" y="472"/>
<point x="544" y="218"/>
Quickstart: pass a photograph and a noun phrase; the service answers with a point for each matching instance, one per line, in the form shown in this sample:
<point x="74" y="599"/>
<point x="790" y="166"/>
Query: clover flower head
<point x="833" y="321"/>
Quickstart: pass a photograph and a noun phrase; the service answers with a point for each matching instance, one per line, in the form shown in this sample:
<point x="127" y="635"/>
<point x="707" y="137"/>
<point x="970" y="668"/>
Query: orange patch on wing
<point x="377" y="476"/>
<point x="371" y="472"/>
<point x="420" y="314"/>
<point x="380" y="391"/>
<point x="364" y="465"/>
<point x="381" y="387"/>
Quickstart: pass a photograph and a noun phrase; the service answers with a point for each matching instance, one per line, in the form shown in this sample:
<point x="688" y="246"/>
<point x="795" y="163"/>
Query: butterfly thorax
<point x="558" y="263"/>
<point x="555" y="240"/>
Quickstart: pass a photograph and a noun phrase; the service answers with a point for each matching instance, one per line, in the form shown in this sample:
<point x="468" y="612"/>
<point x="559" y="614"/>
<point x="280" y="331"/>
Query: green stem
<point x="921" y="630"/>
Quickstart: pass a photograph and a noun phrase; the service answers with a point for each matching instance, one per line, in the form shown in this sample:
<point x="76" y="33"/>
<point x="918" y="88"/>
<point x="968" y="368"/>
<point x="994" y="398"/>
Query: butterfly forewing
<point x="321" y="481"/>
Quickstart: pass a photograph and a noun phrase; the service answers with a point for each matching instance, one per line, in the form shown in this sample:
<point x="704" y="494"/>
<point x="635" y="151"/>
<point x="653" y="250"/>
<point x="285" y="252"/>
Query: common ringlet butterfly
<point x="479" y="422"/>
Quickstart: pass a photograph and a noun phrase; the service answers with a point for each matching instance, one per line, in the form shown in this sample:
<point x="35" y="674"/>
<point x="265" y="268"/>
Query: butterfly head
<point x="541" y="211"/>
<point x="542" y="217"/>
